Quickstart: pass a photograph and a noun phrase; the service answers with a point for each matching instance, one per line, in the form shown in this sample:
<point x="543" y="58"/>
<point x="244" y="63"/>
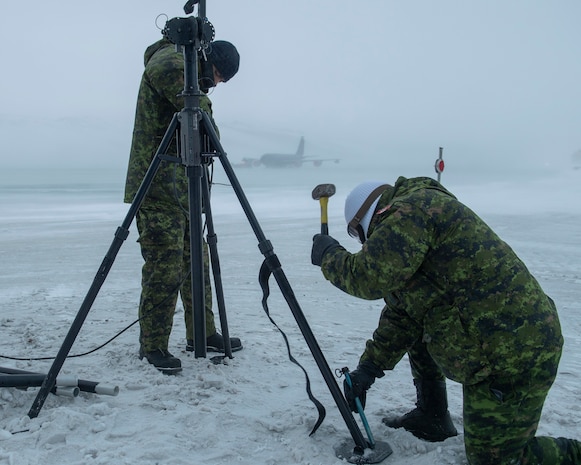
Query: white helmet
<point x="360" y="205"/>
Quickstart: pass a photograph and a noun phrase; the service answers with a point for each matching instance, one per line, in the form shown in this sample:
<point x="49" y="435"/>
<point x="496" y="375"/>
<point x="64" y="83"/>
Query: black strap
<point x="263" y="276"/>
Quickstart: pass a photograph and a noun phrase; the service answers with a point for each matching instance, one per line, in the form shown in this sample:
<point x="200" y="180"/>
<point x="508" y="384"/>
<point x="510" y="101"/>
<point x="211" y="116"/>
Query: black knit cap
<point x="224" y="56"/>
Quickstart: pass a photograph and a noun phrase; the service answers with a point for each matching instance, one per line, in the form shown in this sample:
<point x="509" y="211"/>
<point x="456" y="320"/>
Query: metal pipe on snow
<point x="83" y="384"/>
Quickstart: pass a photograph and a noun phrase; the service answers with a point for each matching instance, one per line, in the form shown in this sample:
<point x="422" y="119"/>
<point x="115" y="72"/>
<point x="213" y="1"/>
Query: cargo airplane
<point x="286" y="160"/>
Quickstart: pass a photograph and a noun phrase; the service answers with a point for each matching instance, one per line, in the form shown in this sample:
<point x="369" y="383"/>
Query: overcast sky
<point x="494" y="83"/>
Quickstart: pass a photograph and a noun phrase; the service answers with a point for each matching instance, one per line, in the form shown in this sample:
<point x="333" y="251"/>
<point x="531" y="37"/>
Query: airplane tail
<point x="301" y="148"/>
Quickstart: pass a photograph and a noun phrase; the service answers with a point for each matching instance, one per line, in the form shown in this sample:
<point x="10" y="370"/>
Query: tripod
<point x="194" y="128"/>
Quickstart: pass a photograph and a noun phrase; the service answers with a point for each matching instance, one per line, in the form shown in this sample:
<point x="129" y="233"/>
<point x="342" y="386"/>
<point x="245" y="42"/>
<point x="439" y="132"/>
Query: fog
<point x="380" y="84"/>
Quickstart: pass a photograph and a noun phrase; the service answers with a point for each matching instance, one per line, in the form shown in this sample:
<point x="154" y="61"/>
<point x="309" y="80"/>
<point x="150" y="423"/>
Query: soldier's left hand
<point x="361" y="380"/>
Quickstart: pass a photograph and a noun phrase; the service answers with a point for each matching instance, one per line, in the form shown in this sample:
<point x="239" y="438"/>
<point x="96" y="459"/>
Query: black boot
<point x="215" y="343"/>
<point x="162" y="360"/>
<point x="430" y="420"/>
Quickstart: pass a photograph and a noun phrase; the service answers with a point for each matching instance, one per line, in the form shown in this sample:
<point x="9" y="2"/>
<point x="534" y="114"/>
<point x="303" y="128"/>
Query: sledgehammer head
<point x="322" y="192"/>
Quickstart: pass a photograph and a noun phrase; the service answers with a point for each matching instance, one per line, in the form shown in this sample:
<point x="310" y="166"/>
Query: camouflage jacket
<point x="450" y="281"/>
<point x="158" y="100"/>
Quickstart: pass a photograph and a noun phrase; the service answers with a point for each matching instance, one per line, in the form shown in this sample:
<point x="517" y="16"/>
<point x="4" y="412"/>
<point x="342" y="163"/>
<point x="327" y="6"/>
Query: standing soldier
<point x="162" y="220"/>
<point x="462" y="305"/>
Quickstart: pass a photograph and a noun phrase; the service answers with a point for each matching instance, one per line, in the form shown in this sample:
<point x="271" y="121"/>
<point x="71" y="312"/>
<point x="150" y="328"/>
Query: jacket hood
<point x="405" y="186"/>
<point x="402" y="188"/>
<point x="150" y="51"/>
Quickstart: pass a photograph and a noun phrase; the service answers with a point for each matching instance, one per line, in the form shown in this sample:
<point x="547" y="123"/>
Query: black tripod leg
<point x="266" y="248"/>
<point x="194" y="174"/>
<point x="216" y="273"/>
<point x="120" y="236"/>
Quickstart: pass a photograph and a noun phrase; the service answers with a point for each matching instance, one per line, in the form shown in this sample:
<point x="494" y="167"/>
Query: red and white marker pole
<point x="439" y="165"/>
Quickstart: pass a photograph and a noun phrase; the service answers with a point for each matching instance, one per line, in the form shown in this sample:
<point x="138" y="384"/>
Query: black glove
<point x="361" y="380"/>
<point x="322" y="243"/>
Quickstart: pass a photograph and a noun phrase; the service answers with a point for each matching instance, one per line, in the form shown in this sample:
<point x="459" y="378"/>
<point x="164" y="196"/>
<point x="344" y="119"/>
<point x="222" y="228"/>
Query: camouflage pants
<point x="165" y="246"/>
<point x="501" y="416"/>
<point x="422" y="364"/>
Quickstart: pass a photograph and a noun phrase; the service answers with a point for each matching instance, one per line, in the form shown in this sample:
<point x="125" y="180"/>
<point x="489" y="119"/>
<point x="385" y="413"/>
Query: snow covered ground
<point x="253" y="409"/>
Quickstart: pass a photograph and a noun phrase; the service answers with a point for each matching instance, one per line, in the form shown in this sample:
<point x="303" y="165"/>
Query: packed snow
<point x="253" y="408"/>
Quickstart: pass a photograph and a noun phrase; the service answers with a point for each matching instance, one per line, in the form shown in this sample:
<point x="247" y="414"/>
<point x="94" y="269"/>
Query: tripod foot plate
<point x="347" y="451"/>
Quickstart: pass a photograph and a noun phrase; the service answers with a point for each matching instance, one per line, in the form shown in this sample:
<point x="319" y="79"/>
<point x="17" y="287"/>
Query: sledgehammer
<point x="322" y="192"/>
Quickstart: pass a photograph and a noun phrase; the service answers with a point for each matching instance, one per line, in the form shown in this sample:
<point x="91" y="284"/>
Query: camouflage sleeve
<point x="390" y="257"/>
<point x="395" y="334"/>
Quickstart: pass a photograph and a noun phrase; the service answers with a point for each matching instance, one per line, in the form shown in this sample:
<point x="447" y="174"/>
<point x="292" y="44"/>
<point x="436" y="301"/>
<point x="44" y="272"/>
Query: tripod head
<point x="191" y="30"/>
<point x="196" y="33"/>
